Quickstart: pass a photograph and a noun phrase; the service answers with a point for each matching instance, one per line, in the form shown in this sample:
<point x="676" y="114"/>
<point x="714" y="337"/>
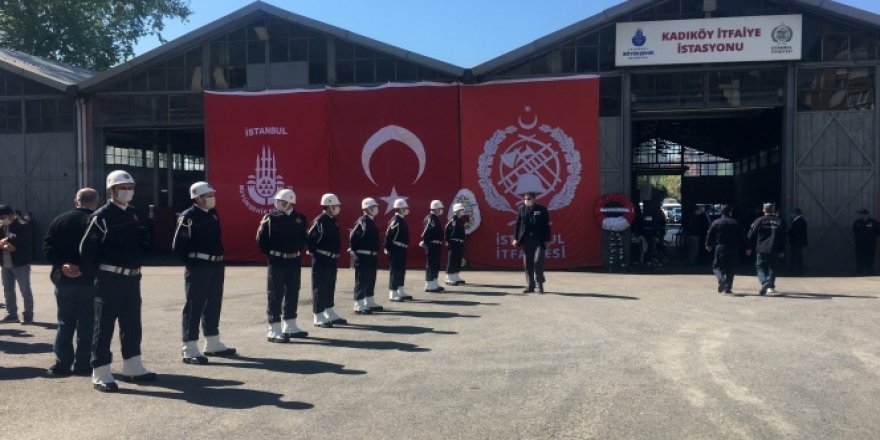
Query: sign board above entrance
<point x="710" y="40"/>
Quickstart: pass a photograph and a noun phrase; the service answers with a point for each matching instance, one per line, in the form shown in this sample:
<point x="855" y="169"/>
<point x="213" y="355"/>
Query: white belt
<point x="371" y="253"/>
<point x="326" y="253"/>
<point x="120" y="270"/>
<point x="206" y="257"/>
<point x="287" y="255"/>
<point x="435" y="242"/>
<point x="401" y="244"/>
<point x="456" y="239"/>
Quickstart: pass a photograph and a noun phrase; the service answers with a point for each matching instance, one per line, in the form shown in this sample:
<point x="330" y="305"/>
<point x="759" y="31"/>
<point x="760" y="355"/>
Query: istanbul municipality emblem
<point x="531" y="157"/>
<point x="782" y="34"/>
<point x="258" y="194"/>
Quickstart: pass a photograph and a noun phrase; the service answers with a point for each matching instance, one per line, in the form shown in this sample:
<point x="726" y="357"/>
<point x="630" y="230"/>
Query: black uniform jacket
<point x="324" y="236"/>
<point x="725" y="232"/>
<point x="364" y="236"/>
<point x="61" y="246"/>
<point x="113" y="238"/>
<point x="397" y="234"/>
<point x="866" y="231"/>
<point x="433" y="232"/>
<point x="767" y="235"/>
<point x="282" y="232"/>
<point x="197" y="231"/>
<point x="797" y="234"/>
<point x="454" y="230"/>
<point x="532" y="222"/>
<point x="21" y="234"/>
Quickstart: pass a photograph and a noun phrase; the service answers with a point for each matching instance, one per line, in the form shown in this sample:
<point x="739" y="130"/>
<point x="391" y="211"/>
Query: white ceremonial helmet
<point x="286" y="195"/>
<point x="457" y="207"/>
<point x="400" y="203"/>
<point x="329" y="199"/>
<point x="436" y="204"/>
<point x="199" y="189"/>
<point x="118" y="177"/>
<point x="369" y="202"/>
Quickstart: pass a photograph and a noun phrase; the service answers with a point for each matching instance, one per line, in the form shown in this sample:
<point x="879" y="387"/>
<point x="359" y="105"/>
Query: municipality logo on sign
<point x="639" y="38"/>
<point x="782" y="36"/>
<point x="259" y="192"/>
<point x="532" y="158"/>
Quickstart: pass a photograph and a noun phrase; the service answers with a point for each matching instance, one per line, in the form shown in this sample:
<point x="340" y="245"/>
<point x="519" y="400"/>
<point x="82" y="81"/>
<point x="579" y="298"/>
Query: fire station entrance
<point x="683" y="160"/>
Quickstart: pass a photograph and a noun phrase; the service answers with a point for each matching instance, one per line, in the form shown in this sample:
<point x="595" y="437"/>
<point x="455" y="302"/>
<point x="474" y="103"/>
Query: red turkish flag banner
<point x="394" y="141"/>
<point x="540" y="136"/>
<point x="257" y="144"/>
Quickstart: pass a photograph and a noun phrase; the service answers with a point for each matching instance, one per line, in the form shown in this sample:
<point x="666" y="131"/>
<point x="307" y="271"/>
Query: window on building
<point x="10" y="117"/>
<point x="48" y="115"/>
<point x="837" y="88"/>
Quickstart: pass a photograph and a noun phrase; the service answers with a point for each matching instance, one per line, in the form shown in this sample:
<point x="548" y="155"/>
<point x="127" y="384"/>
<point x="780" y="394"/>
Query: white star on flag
<point x="390" y="198"/>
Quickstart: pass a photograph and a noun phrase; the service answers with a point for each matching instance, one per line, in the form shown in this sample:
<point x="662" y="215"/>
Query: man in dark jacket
<point x="866" y="230"/>
<point x="74" y="288"/>
<point x="725" y="239"/>
<point x="282" y="237"/>
<point x="17" y="246"/>
<point x="767" y="240"/>
<point x="364" y="242"/>
<point x="432" y="241"/>
<point x="396" y="244"/>
<point x="797" y="239"/>
<point x="198" y="243"/>
<point x="324" y="244"/>
<point x="532" y="233"/>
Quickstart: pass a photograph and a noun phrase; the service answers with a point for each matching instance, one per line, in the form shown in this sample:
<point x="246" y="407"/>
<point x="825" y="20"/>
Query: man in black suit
<point x="797" y="239"/>
<point x="532" y="233"/>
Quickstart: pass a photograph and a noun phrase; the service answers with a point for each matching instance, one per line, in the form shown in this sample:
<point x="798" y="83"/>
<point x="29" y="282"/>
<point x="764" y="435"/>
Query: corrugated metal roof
<point x="611" y="14"/>
<point x="259" y="6"/>
<point x="54" y="74"/>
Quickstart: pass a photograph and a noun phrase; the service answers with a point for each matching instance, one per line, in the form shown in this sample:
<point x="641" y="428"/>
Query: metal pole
<point x="169" y="175"/>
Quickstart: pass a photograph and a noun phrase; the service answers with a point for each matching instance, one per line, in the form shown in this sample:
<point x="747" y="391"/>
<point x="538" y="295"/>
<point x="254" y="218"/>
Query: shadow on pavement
<point x="364" y="345"/>
<point x="475" y="293"/>
<point x="15" y="373"/>
<point x="593" y="295"/>
<point x="205" y="391"/>
<point x="496" y="286"/>
<point x="399" y="329"/>
<point x="285" y="365"/>
<point x="436" y="315"/>
<point x="15" y="347"/>
<point x="455" y="303"/>
<point x="45" y="325"/>
<point x="803" y="295"/>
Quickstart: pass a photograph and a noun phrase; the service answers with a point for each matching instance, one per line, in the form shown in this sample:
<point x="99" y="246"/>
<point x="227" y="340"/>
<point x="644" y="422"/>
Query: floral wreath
<point x="608" y="199"/>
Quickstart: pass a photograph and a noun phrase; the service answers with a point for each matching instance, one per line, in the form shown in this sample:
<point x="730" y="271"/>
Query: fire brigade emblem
<point x="531" y="157"/>
<point x="258" y="194"/>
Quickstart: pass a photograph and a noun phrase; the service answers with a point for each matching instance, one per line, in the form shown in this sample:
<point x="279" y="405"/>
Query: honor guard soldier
<point x="432" y="241"/>
<point x="454" y="235"/>
<point x="532" y="232"/>
<point x="324" y="244"/>
<point x="282" y="237"/>
<point x="111" y="249"/>
<point x="396" y="242"/>
<point x="364" y="239"/>
<point x="197" y="241"/>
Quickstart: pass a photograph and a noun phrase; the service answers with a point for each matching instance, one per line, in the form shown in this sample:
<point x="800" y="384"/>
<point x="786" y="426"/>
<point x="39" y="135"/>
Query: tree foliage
<point x="95" y="34"/>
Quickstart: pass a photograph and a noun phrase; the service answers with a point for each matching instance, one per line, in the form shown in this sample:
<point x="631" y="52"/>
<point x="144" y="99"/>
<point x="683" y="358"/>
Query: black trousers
<point x="283" y="284"/>
<point x="533" y="260"/>
<point x="76" y="314"/>
<point x="865" y="257"/>
<point x="724" y="264"/>
<point x="323" y="282"/>
<point x="432" y="269"/>
<point x="204" y="298"/>
<point x="453" y="260"/>
<point x="117" y="297"/>
<point x="397" y="272"/>
<point x="796" y="261"/>
<point x="365" y="267"/>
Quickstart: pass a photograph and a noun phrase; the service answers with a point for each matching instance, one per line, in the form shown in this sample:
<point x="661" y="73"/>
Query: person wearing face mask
<point x="16" y="244"/>
<point x="364" y="248"/>
<point x="197" y="241"/>
<point x="281" y="237"/>
<point x="432" y="240"/>
<point x="454" y="235"/>
<point x="111" y="249"/>
<point x="532" y="233"/>
<point x="74" y="288"/>
<point x="324" y="245"/>
<point x="396" y="242"/>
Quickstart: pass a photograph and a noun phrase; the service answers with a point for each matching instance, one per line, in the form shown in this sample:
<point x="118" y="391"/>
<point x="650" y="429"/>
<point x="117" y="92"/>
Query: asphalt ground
<point x="598" y="356"/>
